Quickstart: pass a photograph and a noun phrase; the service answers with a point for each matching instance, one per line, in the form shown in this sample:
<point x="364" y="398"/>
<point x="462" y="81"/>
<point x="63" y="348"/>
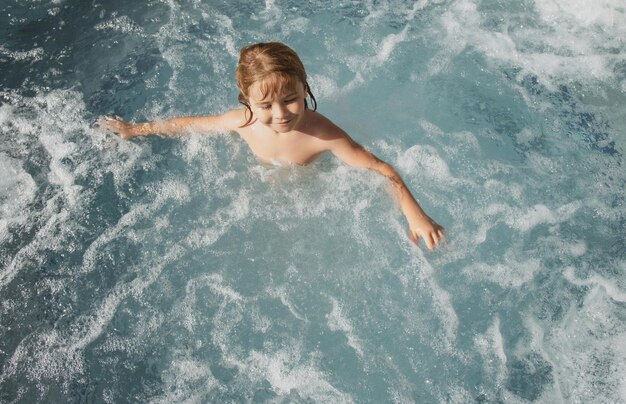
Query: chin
<point x="283" y="128"/>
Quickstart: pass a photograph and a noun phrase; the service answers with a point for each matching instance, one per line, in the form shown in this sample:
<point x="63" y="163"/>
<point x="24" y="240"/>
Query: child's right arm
<point x="174" y="126"/>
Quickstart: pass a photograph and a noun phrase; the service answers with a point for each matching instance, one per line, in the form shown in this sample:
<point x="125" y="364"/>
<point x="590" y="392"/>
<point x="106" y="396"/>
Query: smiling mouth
<point x="283" y="122"/>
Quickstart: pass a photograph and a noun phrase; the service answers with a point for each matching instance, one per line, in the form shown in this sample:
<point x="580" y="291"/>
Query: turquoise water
<point x="182" y="270"/>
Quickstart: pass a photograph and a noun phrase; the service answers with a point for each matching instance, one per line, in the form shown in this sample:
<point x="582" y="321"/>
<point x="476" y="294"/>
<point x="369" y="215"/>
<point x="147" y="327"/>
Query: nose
<point x="279" y="111"/>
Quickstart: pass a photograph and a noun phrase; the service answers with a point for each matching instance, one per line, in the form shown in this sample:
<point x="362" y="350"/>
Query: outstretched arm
<point x="420" y="225"/>
<point x="173" y="126"/>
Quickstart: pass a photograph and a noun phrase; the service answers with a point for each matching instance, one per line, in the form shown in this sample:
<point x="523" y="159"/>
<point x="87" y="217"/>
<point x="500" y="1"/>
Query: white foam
<point x="358" y="224"/>
<point x="165" y="192"/>
<point x="533" y="346"/>
<point x="299" y="24"/>
<point x="490" y="345"/>
<point x="281" y="293"/>
<point x="536" y="215"/>
<point x="325" y="87"/>
<point x="607" y="15"/>
<point x="33" y="55"/>
<point x="374" y="12"/>
<point x="59" y="173"/>
<point x="512" y="272"/>
<point x="587" y="350"/>
<point x="50" y="119"/>
<point x="389" y="43"/>
<point x="426" y="161"/>
<point x="338" y="322"/>
<point x="417" y="7"/>
<point x="541" y="214"/>
<point x="122" y="24"/>
<point x="17" y="191"/>
<point x="186" y="380"/>
<point x="58" y="354"/>
<point x="221" y="222"/>
<point x="611" y="289"/>
<point x="288" y="373"/>
<point x="56" y="113"/>
<point x="569" y="42"/>
<point x="95" y="325"/>
<point x="364" y="68"/>
<point x="419" y="272"/>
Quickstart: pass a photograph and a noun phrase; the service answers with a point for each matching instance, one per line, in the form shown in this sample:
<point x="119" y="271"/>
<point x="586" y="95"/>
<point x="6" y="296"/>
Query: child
<point x="277" y="125"/>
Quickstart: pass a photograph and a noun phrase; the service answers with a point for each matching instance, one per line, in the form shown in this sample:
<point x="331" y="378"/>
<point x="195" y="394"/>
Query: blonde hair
<point x="273" y="64"/>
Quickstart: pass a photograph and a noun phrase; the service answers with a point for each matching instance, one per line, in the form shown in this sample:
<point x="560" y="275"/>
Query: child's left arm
<point x="420" y="225"/>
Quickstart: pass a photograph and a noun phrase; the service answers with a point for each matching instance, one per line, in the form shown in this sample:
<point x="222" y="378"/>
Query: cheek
<point x="261" y="114"/>
<point x="298" y="106"/>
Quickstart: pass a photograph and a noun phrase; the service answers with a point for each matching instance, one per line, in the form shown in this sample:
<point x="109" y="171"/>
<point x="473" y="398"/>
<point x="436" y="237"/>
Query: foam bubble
<point x="187" y="380"/>
<point x="426" y="161"/>
<point x="281" y="293"/>
<point x="299" y="24"/>
<point x="612" y="290"/>
<point x="588" y="350"/>
<point x="122" y="24"/>
<point x="58" y="354"/>
<point x="540" y="214"/>
<point x="571" y="41"/>
<point x="59" y="173"/>
<point x="490" y="345"/>
<point x="511" y="273"/>
<point x="365" y="68"/>
<point x="325" y="87"/>
<point x="426" y="280"/>
<point x="389" y="43"/>
<point x="17" y="191"/>
<point x="59" y="112"/>
<point x="32" y="55"/>
<point x="288" y="374"/>
<point x="223" y="219"/>
<point x="337" y="322"/>
<point x="163" y="193"/>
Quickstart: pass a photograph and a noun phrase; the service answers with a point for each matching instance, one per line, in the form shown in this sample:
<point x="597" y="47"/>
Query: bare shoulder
<point x="323" y="128"/>
<point x="232" y="120"/>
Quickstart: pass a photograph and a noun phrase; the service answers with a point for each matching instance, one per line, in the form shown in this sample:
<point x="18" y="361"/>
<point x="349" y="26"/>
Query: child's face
<point x="280" y="110"/>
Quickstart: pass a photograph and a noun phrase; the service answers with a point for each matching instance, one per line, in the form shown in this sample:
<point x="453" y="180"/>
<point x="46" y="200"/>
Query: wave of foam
<point x="337" y="322"/>
<point x="584" y="371"/>
<point x="569" y="41"/>
<point x="17" y="191"/>
<point x="58" y="354"/>
<point x="287" y="373"/>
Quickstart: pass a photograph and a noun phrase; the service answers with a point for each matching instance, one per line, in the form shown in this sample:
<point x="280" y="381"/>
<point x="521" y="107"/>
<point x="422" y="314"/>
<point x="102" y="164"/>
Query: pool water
<point x="183" y="270"/>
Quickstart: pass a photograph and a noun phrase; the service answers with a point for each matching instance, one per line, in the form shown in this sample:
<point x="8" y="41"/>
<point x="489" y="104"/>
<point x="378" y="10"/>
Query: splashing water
<point x="172" y="270"/>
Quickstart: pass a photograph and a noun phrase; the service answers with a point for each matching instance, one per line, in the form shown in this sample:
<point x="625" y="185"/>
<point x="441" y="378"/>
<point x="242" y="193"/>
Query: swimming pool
<point x="171" y="270"/>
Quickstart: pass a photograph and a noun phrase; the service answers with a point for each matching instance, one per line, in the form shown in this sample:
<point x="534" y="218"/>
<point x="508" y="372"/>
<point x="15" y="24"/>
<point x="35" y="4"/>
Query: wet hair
<point x="273" y="64"/>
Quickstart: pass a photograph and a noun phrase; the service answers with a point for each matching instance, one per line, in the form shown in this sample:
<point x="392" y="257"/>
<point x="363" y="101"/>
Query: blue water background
<point x="182" y="270"/>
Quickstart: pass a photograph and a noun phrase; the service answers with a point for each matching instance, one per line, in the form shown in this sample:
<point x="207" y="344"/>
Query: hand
<point x="425" y="227"/>
<point x="117" y="125"/>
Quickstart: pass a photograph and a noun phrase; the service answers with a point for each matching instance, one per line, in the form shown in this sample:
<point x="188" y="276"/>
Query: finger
<point x="102" y="124"/>
<point x="441" y="232"/>
<point x="435" y="240"/>
<point x="414" y="237"/>
<point x="429" y="242"/>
